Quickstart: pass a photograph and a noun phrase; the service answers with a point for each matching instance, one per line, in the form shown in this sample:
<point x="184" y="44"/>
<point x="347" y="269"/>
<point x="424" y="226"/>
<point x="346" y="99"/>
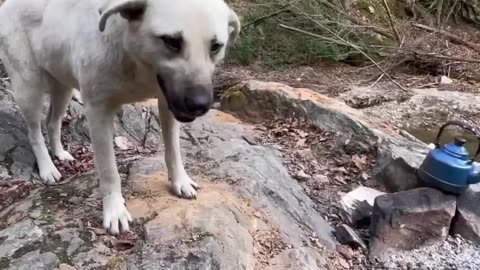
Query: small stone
<point x="410" y="219"/>
<point x="371" y="9"/>
<point x="77" y="96"/>
<point x="389" y="265"/>
<point x="343" y="263"/>
<point x="302" y="176"/>
<point x="75" y="244"/>
<point x="320" y="178"/>
<point x="345" y="251"/>
<point x="347" y="236"/>
<point x="357" y="205"/>
<point x="64" y="266"/>
<point x="445" y="80"/>
<point x="403" y="265"/>
<point x="467" y="219"/>
<point x="122" y="143"/>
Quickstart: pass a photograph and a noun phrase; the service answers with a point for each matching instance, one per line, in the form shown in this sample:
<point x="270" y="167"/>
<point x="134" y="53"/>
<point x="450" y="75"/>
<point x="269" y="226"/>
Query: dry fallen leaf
<point x="345" y="251"/>
<point x="301" y="176"/>
<point x="340" y="179"/>
<point x="341" y="169"/>
<point x="359" y="161"/>
<point x="300" y="143"/>
<point x="123" y="244"/>
<point x="97" y="231"/>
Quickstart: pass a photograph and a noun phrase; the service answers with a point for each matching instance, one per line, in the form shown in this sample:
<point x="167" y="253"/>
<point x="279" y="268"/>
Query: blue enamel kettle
<point x="449" y="167"/>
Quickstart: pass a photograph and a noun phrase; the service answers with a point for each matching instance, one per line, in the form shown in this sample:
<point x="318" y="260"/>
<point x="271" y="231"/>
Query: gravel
<point x="454" y="253"/>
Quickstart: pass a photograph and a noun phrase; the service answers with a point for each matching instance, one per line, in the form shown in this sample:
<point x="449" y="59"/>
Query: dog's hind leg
<point x="29" y="89"/>
<point x="182" y="185"/>
<point x="59" y="101"/>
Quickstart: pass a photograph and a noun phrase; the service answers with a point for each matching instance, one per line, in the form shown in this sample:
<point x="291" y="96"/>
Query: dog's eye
<point x="215" y="47"/>
<point x="173" y="43"/>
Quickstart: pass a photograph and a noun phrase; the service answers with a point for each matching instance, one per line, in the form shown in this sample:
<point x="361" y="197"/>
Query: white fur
<point x="55" y="46"/>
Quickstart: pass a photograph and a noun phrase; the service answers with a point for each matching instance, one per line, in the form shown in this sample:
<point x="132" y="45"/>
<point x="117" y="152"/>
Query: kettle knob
<point x="459" y="141"/>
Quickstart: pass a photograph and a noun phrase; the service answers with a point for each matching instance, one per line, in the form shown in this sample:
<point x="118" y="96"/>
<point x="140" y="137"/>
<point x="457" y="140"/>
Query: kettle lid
<point x="457" y="149"/>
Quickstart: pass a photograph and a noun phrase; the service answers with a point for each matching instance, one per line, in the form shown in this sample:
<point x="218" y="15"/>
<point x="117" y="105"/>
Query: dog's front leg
<point x="100" y="123"/>
<point x="182" y="185"/>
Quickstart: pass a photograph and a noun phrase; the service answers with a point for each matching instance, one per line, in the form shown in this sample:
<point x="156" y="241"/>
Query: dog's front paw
<point x="49" y="174"/>
<point x="64" y="155"/>
<point x="115" y="213"/>
<point x="184" y="187"/>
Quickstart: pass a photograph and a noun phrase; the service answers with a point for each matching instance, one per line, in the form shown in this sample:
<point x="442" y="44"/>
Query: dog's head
<point x="182" y="41"/>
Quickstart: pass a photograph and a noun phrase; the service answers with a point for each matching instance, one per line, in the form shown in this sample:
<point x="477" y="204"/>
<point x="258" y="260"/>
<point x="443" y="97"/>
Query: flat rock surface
<point x="357" y="205"/>
<point x="249" y="214"/>
<point x="426" y="108"/>
<point x="262" y="205"/>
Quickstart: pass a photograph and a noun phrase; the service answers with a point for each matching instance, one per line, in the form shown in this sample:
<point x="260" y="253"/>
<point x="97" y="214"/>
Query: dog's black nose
<point x="199" y="103"/>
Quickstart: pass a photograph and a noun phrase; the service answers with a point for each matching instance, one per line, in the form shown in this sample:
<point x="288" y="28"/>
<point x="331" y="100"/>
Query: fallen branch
<point x="392" y="23"/>
<point x="356" y="21"/>
<point x="432" y="55"/>
<point x="256" y="21"/>
<point x="343" y="42"/>
<point x="357" y="49"/>
<point x="444" y="57"/>
<point x="291" y="28"/>
<point x="450" y="36"/>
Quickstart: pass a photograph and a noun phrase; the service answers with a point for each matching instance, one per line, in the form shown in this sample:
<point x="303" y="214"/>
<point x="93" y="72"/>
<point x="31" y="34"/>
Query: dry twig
<point x="356" y="21"/>
<point x="450" y="58"/>
<point x="343" y="42"/>
<point x="392" y="23"/>
<point x="355" y="47"/>
<point x="448" y="35"/>
<point x="284" y="8"/>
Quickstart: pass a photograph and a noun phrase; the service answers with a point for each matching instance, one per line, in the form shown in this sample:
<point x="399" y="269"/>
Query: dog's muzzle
<point x="188" y="103"/>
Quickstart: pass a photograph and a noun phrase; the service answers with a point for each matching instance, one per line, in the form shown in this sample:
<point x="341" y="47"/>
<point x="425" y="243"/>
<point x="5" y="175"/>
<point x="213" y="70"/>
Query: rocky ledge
<point x="261" y="206"/>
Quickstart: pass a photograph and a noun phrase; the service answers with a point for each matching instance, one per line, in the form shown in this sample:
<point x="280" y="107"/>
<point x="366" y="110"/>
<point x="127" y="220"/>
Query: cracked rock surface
<point x="249" y="214"/>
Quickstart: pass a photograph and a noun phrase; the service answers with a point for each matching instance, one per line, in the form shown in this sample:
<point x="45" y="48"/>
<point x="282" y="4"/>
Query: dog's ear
<point x="129" y="9"/>
<point x="233" y="27"/>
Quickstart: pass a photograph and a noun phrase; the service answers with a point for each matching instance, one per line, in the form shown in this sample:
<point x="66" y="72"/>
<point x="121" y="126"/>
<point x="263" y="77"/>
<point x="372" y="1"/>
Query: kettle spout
<point x="474" y="176"/>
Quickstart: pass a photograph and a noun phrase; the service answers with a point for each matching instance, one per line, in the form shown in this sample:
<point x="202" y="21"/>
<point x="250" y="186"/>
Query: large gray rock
<point x="410" y="219"/>
<point x="36" y="261"/>
<point x="249" y="212"/>
<point x="398" y="156"/>
<point x="258" y="100"/>
<point x="467" y="219"/>
<point x="221" y="224"/>
<point x="398" y="162"/>
<point x="18" y="236"/>
<point x="429" y="108"/>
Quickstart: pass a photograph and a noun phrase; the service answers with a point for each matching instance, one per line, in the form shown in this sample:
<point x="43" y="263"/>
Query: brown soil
<point x="326" y="165"/>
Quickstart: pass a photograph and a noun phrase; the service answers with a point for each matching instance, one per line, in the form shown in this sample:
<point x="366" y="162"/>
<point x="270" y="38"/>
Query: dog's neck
<point x="115" y="35"/>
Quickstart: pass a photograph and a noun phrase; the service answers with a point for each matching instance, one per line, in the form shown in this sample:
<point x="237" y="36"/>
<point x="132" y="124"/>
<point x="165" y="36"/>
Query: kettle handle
<point x="464" y="126"/>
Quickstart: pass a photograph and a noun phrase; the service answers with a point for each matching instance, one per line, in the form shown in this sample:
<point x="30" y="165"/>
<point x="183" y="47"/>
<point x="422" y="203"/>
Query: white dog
<point x="115" y="52"/>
